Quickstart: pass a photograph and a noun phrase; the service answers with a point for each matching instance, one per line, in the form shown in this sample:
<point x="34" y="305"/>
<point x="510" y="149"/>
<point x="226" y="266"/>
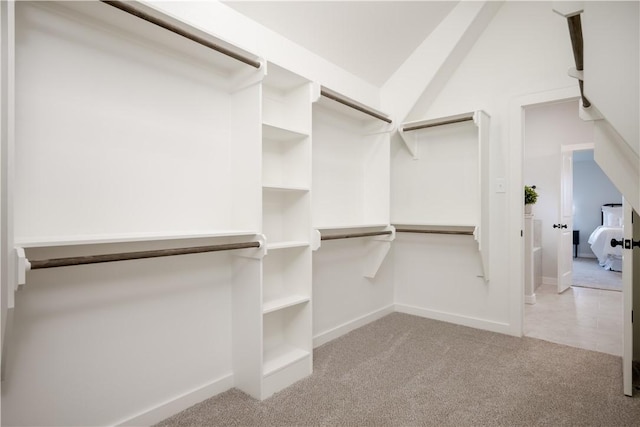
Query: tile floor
<point x="579" y="317"/>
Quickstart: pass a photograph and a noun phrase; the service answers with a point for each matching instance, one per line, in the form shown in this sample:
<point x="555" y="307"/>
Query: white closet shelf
<point x="423" y="124"/>
<point x="287" y="188"/>
<point x="280" y="133"/>
<point x="352" y="226"/>
<point x="145" y="30"/>
<point x="287" y="244"/>
<point x="95" y="239"/>
<point x="435" y="224"/>
<point x="283" y="301"/>
<point x="279" y="358"/>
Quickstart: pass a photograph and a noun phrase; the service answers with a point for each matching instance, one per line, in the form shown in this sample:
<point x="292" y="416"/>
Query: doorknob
<point x="615" y="243"/>
<point x="559" y="225"/>
<point x="627" y="244"/>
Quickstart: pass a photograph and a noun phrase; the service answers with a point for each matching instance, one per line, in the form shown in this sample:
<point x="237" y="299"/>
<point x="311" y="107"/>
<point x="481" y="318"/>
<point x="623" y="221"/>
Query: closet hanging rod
<point x="413" y="230"/>
<point x="440" y="123"/>
<point x="353" y="235"/>
<point x="355" y="106"/>
<point x="125" y="7"/>
<point x="126" y="256"/>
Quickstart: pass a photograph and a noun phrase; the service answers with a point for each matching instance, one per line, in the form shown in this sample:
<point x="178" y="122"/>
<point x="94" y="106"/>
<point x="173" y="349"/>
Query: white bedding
<point x="600" y="240"/>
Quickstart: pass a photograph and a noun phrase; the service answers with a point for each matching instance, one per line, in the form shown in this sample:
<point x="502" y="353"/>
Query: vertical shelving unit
<point x="286" y="223"/>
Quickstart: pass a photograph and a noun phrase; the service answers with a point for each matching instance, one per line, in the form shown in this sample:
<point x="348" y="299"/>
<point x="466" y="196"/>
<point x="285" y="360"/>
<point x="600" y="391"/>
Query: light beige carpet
<point x="404" y="370"/>
<point x="587" y="273"/>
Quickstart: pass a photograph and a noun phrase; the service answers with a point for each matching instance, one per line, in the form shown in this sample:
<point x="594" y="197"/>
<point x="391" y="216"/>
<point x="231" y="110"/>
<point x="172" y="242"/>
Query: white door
<point x="627" y="298"/>
<point x="564" y="226"/>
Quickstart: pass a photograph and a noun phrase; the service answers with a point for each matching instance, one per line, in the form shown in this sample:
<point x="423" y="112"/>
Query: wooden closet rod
<point x="95" y="259"/>
<point x="125" y="7"/>
<point x="352" y="235"/>
<point x="354" y="106"/>
<point x="430" y="125"/>
<point x="412" y="230"/>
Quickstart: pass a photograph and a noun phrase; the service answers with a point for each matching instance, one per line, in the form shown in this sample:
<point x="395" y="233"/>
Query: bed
<point x="600" y="240"/>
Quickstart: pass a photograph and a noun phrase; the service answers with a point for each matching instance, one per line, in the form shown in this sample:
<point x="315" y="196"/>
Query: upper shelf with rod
<point x="184" y="149"/>
<point x="412" y="141"/>
<point x="353" y="109"/>
<point x="144" y="21"/>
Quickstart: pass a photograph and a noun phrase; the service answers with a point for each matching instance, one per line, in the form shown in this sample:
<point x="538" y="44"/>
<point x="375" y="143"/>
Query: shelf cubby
<point x="284" y="160"/>
<point x="282" y="95"/>
<point x="285" y="215"/>
<point x="286" y="277"/>
<point x="286" y="337"/>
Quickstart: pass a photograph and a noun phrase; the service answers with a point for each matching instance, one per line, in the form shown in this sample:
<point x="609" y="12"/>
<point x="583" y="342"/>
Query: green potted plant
<point x="530" y="198"/>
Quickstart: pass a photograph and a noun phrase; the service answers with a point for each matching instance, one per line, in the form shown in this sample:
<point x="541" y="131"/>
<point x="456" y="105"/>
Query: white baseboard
<point x="530" y="299"/>
<point x="331" y="334"/>
<point x="472" y="322"/>
<point x="179" y="403"/>
<point x="550" y="281"/>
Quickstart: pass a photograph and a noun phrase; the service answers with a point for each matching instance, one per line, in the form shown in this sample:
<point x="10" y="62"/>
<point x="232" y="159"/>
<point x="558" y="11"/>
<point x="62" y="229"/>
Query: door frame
<point x="515" y="204"/>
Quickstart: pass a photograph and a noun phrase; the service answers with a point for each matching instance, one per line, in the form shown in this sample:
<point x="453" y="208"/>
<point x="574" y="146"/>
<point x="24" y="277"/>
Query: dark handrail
<point x="575" y="32"/>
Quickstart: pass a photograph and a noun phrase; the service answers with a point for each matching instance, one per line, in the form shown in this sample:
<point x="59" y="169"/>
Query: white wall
<point x="548" y="127"/>
<point x="342" y="297"/>
<point x="591" y="189"/>
<point x="99" y="344"/>
<point x="524" y="50"/>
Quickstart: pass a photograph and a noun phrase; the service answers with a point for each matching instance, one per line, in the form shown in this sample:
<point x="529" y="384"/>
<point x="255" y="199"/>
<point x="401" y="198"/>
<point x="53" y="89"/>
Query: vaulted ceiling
<point x="370" y="39"/>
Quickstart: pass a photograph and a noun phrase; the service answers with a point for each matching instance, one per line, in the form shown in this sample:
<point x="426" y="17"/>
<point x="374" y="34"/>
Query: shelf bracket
<point x="380" y="128"/>
<point x="316" y="237"/>
<point x="254" y="253"/>
<point x="411" y="141"/>
<point x="378" y="248"/>
<point x="249" y="77"/>
<point x="22" y="266"/>
<point x="316" y="90"/>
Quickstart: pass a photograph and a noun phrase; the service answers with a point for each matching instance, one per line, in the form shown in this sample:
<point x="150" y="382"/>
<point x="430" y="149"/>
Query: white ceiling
<point x="370" y="39"/>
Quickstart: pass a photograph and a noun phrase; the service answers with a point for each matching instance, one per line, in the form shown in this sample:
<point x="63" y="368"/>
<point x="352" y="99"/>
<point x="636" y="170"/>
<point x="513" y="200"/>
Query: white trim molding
<point x="179" y="403"/>
<point x="338" y="331"/>
<point x="472" y="322"/>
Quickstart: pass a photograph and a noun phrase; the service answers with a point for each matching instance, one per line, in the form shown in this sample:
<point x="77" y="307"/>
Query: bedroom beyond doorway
<point x="587" y="273"/>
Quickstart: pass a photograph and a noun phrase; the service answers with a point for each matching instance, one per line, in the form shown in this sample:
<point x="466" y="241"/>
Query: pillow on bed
<point x="612" y="216"/>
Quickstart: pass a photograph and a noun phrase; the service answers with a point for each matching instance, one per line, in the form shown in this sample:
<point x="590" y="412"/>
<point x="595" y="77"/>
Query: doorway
<point x="580" y="316"/>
